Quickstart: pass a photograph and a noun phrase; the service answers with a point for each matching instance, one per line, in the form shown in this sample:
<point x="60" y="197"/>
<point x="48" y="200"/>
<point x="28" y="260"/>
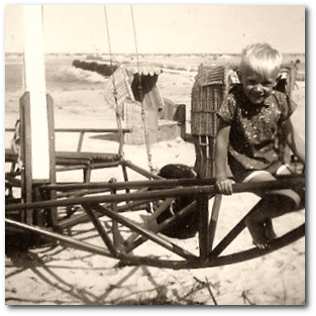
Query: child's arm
<point x="222" y="138"/>
<point x="294" y="141"/>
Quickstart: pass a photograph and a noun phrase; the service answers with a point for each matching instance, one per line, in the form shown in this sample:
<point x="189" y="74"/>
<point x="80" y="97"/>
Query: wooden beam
<point x="214" y="219"/>
<point x="103" y="234"/>
<point x="202" y="206"/>
<point x="160" y="194"/>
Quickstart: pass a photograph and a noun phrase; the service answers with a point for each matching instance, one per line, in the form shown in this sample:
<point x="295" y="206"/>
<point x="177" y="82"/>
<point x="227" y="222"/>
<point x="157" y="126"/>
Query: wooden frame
<point x="102" y="206"/>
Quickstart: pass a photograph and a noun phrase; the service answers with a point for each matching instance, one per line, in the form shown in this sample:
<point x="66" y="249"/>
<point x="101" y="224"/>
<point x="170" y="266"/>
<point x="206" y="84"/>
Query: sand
<point x="60" y="275"/>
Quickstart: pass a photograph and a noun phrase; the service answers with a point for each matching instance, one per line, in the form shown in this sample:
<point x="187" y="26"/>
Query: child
<point x="250" y="120"/>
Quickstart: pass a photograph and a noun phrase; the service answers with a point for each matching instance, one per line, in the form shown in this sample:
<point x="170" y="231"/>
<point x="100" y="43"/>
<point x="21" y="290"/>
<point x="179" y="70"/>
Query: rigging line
<point x="117" y="110"/>
<point x="135" y="39"/>
<point x="143" y="113"/>
<point x="108" y="33"/>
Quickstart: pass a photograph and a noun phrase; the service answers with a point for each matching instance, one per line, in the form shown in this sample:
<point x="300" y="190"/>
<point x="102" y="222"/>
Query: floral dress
<point x="254" y="136"/>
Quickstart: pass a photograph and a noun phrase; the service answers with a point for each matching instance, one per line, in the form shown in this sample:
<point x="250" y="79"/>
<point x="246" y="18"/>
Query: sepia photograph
<point x="155" y="154"/>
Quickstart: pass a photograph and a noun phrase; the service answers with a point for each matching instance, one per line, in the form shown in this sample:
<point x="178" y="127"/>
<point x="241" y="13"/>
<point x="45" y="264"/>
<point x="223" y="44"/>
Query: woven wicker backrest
<point x="208" y="91"/>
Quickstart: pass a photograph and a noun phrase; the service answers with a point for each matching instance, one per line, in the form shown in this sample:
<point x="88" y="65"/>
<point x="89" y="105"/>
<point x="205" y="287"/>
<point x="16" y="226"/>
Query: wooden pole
<point x="214" y="219"/>
<point x="35" y="87"/>
<point x="202" y="206"/>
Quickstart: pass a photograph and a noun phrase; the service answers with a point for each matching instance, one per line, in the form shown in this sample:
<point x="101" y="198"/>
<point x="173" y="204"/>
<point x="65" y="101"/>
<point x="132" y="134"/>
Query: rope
<point x="143" y="113"/>
<point x="117" y="111"/>
<point x="135" y="42"/>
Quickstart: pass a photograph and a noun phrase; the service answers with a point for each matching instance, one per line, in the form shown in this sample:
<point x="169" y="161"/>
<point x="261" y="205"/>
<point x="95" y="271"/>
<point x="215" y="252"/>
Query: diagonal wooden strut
<point x="96" y="222"/>
<point x="231" y="235"/>
<point x="165" y="224"/>
<point x="150" y="235"/>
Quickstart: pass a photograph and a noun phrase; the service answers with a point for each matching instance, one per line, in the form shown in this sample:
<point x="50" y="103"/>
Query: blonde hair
<point x="261" y="58"/>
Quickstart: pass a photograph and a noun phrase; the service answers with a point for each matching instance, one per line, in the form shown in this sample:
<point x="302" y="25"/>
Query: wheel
<point x="185" y="226"/>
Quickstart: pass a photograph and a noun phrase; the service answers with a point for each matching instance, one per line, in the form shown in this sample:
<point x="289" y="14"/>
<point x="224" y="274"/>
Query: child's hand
<point x="225" y="185"/>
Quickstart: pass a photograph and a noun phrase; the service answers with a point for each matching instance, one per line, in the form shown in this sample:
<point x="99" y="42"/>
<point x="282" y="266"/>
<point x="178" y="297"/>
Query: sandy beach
<point x="61" y="275"/>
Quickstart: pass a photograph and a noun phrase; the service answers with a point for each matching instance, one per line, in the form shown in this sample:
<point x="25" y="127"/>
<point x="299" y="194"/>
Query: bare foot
<point x="265" y="245"/>
<point x="258" y="234"/>
<point x="269" y="231"/>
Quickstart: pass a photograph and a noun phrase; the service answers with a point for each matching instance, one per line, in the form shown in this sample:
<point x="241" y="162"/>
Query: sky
<point x="179" y="28"/>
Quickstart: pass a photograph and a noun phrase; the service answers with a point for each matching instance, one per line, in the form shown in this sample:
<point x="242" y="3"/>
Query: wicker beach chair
<point x="208" y="92"/>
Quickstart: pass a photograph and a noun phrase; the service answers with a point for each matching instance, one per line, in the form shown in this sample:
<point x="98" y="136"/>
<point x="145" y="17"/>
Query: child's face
<point x="257" y="87"/>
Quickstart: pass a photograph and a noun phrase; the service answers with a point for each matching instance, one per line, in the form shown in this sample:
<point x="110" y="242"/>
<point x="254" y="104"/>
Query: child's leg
<point x="269" y="230"/>
<point x="259" y="220"/>
<point x="256" y="224"/>
<point x="273" y="204"/>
